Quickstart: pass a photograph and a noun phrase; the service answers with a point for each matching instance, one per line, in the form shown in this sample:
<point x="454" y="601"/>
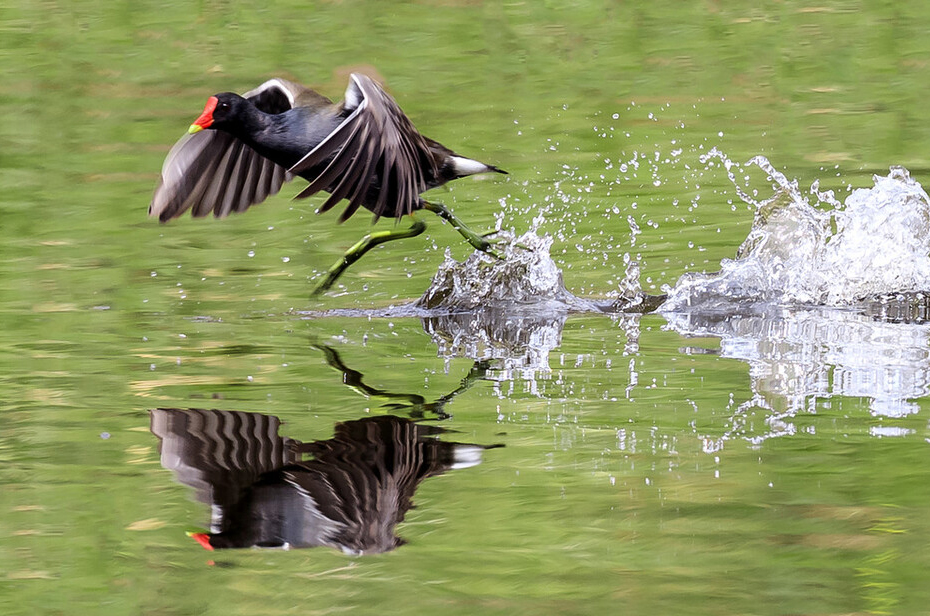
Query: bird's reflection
<point x="415" y="405"/>
<point x="347" y="492"/>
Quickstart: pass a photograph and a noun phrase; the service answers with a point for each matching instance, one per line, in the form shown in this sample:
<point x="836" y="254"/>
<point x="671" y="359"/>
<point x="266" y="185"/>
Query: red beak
<point x="203" y="539"/>
<point x="206" y="118"/>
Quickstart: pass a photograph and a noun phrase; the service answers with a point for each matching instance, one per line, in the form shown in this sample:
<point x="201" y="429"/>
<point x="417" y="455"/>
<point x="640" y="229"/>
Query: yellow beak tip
<point x="194" y="129"/>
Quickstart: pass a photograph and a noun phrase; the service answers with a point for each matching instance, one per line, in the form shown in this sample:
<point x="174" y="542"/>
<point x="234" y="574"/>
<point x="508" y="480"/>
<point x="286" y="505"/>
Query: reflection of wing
<point x="350" y="495"/>
<point x="212" y="171"/>
<point x="375" y="148"/>
<point x="364" y="478"/>
<point x="219" y="453"/>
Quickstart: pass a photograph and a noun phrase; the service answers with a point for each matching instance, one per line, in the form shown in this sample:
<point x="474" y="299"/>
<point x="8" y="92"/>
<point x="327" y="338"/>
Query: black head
<point x="220" y="112"/>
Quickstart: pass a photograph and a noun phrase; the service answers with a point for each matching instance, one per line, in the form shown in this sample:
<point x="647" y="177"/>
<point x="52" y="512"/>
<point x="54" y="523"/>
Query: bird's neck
<point x="250" y="126"/>
<point x="267" y="134"/>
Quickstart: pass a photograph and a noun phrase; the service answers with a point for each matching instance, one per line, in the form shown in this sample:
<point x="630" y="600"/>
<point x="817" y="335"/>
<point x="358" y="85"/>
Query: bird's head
<point x="218" y="112"/>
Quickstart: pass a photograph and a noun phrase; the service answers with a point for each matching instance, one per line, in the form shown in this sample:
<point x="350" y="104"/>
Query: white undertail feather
<point x="467" y="166"/>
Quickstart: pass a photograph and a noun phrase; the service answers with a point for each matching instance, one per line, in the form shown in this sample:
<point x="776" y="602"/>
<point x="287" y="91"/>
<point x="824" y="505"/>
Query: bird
<point x="363" y="150"/>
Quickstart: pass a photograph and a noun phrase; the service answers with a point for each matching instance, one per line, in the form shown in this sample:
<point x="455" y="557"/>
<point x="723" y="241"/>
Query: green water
<point x="606" y="497"/>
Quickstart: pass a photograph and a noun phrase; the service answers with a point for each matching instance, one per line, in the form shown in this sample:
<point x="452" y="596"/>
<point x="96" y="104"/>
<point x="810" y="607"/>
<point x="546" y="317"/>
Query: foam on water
<point x="526" y="282"/>
<point x="875" y="244"/>
<point x="526" y="277"/>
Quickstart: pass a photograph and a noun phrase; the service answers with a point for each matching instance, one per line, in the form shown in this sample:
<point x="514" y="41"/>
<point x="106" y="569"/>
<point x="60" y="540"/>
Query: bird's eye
<point x="224" y="105"/>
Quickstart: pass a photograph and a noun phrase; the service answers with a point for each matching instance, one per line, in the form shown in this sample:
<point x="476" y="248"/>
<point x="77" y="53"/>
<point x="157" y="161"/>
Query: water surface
<point x="766" y="460"/>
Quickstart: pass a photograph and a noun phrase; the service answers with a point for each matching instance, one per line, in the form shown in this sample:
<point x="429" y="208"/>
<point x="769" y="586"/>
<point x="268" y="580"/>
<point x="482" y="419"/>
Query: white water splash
<point x="525" y="283"/>
<point x="526" y="277"/>
<point x="876" y="243"/>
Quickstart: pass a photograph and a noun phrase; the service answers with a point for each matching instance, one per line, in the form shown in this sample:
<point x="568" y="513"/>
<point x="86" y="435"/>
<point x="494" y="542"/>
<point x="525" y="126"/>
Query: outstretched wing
<point x="374" y="157"/>
<point x="212" y="171"/>
<point x="219" y="453"/>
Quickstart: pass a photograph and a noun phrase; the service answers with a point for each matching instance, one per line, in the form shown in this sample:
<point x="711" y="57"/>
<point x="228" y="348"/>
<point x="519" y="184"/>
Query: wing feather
<point x="233" y="188"/>
<point x="212" y="171"/>
<point x="339" y="162"/>
<point x="345" y="185"/>
<point x="375" y="157"/>
<point x="214" y="192"/>
<point x="360" y="189"/>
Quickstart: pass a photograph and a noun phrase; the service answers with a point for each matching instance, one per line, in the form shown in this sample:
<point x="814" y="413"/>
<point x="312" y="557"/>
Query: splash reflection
<point x="799" y="357"/>
<point x="520" y="343"/>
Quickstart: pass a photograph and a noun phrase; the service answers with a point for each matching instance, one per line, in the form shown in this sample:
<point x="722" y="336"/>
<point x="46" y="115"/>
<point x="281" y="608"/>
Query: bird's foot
<point x="504" y="243"/>
<point x="480" y="242"/>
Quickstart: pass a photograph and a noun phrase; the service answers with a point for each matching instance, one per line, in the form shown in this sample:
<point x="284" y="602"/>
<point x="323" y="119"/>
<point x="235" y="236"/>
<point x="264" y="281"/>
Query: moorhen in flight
<point x="364" y="150"/>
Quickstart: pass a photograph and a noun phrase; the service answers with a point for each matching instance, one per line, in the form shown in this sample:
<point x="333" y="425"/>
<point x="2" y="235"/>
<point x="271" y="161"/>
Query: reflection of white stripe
<point x="465" y="456"/>
<point x="467" y="166"/>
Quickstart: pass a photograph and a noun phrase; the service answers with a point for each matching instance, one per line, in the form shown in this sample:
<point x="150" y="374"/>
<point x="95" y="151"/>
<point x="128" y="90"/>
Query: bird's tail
<point x="469" y="166"/>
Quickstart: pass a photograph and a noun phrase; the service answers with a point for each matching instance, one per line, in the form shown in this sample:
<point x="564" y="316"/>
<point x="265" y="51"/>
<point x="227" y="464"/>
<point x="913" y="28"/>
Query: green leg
<point x="364" y="245"/>
<point x="478" y="241"/>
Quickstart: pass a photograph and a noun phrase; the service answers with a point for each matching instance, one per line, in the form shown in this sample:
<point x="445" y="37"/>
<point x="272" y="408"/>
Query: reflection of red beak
<point x="203" y="539"/>
<point x="206" y="118"/>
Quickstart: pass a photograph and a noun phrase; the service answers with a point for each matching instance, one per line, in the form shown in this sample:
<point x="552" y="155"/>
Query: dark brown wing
<point x="212" y="171"/>
<point x="375" y="147"/>
<point x="219" y="453"/>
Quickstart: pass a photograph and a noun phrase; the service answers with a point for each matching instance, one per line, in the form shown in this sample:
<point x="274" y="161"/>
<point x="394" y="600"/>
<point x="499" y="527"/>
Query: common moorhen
<point x="364" y="150"/>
